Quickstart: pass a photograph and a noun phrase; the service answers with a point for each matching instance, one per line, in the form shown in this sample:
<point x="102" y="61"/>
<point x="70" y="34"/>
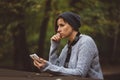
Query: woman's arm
<point x="55" y="41"/>
<point x="53" y="52"/>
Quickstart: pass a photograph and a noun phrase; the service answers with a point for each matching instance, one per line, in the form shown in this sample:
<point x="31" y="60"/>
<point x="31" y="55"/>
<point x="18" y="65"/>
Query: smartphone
<point x="34" y="56"/>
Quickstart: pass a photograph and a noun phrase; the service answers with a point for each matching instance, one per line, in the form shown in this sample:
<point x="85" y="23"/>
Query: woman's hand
<point x="57" y="37"/>
<point x="40" y="63"/>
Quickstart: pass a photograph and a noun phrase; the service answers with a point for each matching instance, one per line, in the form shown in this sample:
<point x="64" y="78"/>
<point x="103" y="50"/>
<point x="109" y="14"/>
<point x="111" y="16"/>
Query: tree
<point x="113" y="19"/>
<point x="43" y="28"/>
<point x="21" y="55"/>
<point x="12" y="14"/>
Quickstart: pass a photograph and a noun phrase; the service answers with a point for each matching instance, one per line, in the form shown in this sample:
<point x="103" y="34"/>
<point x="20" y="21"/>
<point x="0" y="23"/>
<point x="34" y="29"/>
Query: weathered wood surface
<point x="6" y="74"/>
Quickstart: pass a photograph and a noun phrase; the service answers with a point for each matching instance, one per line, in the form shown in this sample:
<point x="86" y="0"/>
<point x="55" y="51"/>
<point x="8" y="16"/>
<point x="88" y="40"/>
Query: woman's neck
<point x="72" y="36"/>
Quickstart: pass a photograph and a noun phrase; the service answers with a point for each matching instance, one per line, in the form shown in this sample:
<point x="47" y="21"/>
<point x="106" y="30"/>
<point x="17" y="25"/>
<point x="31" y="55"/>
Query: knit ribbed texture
<point x="84" y="60"/>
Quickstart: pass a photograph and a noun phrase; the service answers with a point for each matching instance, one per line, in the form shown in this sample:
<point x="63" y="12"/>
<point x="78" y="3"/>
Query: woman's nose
<point x="58" y="30"/>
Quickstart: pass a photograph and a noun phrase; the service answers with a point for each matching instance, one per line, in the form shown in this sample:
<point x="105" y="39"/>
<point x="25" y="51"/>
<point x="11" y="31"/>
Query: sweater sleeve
<point x="53" y="52"/>
<point x="85" y="56"/>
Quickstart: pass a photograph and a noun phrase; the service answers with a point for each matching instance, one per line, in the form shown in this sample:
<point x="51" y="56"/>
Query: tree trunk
<point x="43" y="28"/>
<point x="21" y="53"/>
<point x="115" y="44"/>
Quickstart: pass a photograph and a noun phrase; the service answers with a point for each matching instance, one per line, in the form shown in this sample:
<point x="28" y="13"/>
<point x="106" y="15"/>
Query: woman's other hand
<point x="40" y="63"/>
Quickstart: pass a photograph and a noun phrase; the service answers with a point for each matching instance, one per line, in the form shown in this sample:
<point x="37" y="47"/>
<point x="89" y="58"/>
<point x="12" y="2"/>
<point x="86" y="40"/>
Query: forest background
<point x="26" y="27"/>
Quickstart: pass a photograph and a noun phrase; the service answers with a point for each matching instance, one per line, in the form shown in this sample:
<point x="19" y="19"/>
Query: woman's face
<point x="64" y="29"/>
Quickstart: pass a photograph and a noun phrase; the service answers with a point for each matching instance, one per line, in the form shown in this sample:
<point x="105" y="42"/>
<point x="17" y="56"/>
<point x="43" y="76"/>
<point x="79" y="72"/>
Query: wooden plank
<point x="6" y="74"/>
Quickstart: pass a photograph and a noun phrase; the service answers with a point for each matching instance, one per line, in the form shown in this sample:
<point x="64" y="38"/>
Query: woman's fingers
<point x="42" y="60"/>
<point x="36" y="63"/>
<point x="56" y="37"/>
<point x="40" y="63"/>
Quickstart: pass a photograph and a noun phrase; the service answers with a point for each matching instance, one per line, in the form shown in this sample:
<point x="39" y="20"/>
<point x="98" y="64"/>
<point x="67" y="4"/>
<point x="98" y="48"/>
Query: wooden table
<point x="6" y="74"/>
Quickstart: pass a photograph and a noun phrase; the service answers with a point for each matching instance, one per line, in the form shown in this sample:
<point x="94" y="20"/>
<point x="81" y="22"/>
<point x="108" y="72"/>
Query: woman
<point x="78" y="57"/>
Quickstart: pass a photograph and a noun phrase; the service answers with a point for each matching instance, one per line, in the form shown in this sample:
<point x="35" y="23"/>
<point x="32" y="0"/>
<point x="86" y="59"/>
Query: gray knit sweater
<point x="84" y="60"/>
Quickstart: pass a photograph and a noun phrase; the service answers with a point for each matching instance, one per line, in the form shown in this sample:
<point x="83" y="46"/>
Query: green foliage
<point x="11" y="14"/>
<point x="86" y="29"/>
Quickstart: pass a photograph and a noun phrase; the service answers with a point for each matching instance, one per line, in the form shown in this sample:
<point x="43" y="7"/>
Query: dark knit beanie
<point x="71" y="18"/>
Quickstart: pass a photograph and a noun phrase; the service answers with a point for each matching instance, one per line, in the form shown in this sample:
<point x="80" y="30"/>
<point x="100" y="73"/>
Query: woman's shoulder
<point x="84" y="38"/>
